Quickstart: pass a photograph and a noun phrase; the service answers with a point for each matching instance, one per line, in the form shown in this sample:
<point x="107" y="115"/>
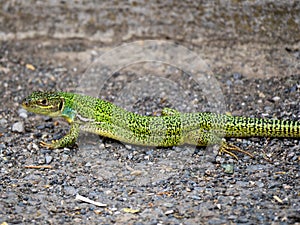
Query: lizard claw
<point x="228" y="148"/>
<point x="48" y="145"/>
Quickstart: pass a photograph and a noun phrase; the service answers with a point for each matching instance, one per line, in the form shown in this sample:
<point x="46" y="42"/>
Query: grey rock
<point x="48" y="159"/>
<point x="3" y="123"/>
<point x="22" y="113"/>
<point x="18" y="127"/>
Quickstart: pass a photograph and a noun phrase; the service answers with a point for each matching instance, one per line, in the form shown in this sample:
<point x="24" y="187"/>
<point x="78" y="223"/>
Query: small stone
<point x="35" y="146"/>
<point x="232" y="217"/>
<point x="265" y="114"/>
<point x="70" y="190"/>
<point x="293" y="88"/>
<point x="22" y="113"/>
<point x="108" y="192"/>
<point x="2" y="146"/>
<point x="168" y="205"/>
<point x="136" y="172"/>
<point x="34" y="190"/>
<point x="41" y="126"/>
<point x="3" y="122"/>
<point x="169" y="212"/>
<point x="80" y="180"/>
<point x="228" y="82"/>
<point x="260" y="184"/>
<point x="268" y="109"/>
<point x="286" y="186"/>
<point x="195" y="197"/>
<point x="242" y="219"/>
<point x="228" y="168"/>
<point x="48" y="159"/>
<point x="18" y="127"/>
<point x="88" y="164"/>
<point x="237" y="76"/>
<point x="276" y="98"/>
<point x="41" y="161"/>
<point x="242" y="184"/>
<point x="261" y="95"/>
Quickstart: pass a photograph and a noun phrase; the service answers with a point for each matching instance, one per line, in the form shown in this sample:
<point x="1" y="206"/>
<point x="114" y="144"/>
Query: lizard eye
<point x="44" y="102"/>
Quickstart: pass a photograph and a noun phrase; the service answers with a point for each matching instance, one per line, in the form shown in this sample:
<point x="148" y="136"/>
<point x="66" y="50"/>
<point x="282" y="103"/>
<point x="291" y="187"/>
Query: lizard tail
<point x="246" y="127"/>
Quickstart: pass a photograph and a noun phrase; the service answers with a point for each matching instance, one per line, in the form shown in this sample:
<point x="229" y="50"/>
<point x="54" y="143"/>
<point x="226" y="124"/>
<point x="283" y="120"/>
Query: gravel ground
<point x="254" y="71"/>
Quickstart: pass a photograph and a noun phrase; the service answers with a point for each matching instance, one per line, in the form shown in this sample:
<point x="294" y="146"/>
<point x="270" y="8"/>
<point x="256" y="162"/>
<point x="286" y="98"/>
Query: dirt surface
<point x="249" y="61"/>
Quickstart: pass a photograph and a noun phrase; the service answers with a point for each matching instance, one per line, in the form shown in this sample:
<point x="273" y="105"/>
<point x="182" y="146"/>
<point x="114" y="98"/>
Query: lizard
<point x="173" y="128"/>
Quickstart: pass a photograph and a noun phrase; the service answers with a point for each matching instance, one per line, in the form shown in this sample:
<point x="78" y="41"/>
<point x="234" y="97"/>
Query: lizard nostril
<point x="25" y="102"/>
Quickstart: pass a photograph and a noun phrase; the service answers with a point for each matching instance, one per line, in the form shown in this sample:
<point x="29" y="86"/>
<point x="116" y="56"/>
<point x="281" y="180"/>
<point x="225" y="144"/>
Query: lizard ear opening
<point x="61" y="104"/>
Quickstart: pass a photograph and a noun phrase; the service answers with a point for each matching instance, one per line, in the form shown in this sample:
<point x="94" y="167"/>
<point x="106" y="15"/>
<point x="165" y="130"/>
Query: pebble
<point x="70" y="190"/>
<point x="2" y="146"/>
<point x="3" y="123"/>
<point x="276" y="98"/>
<point x="232" y="217"/>
<point x="41" y="161"/>
<point x="41" y="126"/>
<point x="35" y="146"/>
<point x="228" y="168"/>
<point x="169" y="212"/>
<point x="293" y="88"/>
<point x="88" y="164"/>
<point x="80" y="180"/>
<point x="22" y="113"/>
<point x="260" y="184"/>
<point x="268" y="109"/>
<point x="195" y="197"/>
<point x="286" y="186"/>
<point x="261" y="95"/>
<point x="18" y="127"/>
<point x="168" y="205"/>
<point x="48" y="159"/>
<point x="237" y="76"/>
<point x="242" y="219"/>
<point x="242" y="184"/>
<point x="42" y="150"/>
<point x="228" y="82"/>
<point x="254" y="168"/>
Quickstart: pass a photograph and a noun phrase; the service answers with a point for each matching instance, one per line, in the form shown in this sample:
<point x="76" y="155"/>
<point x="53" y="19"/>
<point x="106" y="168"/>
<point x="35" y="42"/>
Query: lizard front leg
<point x="67" y="140"/>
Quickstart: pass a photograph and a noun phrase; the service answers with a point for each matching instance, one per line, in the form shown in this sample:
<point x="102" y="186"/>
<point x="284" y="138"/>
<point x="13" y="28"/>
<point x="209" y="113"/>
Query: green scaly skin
<point x="173" y="128"/>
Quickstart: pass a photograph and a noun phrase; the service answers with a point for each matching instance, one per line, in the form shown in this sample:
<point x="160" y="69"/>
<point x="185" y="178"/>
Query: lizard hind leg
<point x="228" y="149"/>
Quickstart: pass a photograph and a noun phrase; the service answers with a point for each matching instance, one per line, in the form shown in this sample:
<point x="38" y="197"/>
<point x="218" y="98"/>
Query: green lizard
<point x="172" y="128"/>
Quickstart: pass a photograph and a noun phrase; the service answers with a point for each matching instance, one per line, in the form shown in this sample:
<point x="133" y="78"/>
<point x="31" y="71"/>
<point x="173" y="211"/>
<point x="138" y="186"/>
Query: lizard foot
<point x="228" y="148"/>
<point x="48" y="145"/>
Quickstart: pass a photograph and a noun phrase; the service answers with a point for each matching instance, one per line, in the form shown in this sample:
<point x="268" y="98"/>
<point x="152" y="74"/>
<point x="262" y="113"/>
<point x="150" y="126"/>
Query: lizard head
<point x="45" y="103"/>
